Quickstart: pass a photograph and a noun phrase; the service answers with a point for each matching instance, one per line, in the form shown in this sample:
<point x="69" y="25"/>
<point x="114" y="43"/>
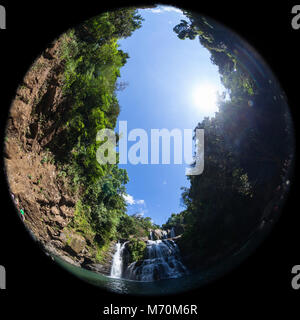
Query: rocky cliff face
<point x="159" y="234"/>
<point x="37" y="186"/>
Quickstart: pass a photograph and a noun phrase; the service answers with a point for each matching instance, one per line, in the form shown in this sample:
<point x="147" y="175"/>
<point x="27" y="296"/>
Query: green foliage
<point x="137" y="250"/>
<point x="246" y="146"/>
<point x="82" y="222"/>
<point x="135" y="226"/>
<point x="92" y="62"/>
<point x="234" y="76"/>
<point x="176" y="221"/>
<point x="127" y="227"/>
<point x="115" y="24"/>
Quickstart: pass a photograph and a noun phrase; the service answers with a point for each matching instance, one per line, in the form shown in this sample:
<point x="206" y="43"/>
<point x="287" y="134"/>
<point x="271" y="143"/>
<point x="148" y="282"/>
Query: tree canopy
<point x="248" y="147"/>
<point x="92" y="62"/>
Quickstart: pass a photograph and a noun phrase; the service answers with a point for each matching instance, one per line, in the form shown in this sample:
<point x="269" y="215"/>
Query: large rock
<point x="20" y="113"/>
<point x="67" y="211"/>
<point x="145" y="239"/>
<point x="157" y="234"/>
<point x="74" y="243"/>
<point x="55" y="211"/>
<point x="60" y="221"/>
<point x="11" y="149"/>
<point x="68" y="200"/>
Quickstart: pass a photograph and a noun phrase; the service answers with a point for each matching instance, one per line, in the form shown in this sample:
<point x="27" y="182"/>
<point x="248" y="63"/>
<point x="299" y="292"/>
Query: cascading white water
<point x="117" y="262"/>
<point x="164" y="234"/>
<point x="162" y="262"/>
<point x="151" y="235"/>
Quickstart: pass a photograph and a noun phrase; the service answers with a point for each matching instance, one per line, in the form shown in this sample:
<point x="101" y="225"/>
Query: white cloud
<point x="140" y="214"/>
<point x="131" y="201"/>
<point x="156" y="10"/>
<point x="162" y="9"/>
<point x="167" y="8"/>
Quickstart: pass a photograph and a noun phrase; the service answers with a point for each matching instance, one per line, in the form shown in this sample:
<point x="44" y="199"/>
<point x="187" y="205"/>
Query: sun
<point x="205" y="98"/>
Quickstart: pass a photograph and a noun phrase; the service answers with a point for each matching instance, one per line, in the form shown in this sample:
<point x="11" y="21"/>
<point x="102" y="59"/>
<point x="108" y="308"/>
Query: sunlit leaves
<point x="92" y="62"/>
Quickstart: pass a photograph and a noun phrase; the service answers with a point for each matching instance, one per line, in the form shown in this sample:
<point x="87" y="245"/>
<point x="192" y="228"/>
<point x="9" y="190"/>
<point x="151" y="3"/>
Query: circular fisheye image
<point x="149" y="150"/>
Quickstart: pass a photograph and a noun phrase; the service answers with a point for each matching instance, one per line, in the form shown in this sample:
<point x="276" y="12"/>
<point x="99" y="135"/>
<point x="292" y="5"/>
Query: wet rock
<point x="69" y="260"/>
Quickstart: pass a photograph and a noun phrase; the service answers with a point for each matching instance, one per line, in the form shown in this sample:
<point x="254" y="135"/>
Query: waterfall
<point x="117" y="262"/>
<point x="162" y="262"/>
<point x="151" y="235"/>
<point x="172" y="233"/>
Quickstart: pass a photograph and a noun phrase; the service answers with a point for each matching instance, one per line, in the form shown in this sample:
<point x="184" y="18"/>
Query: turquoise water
<point x="168" y="286"/>
<point x="161" y="287"/>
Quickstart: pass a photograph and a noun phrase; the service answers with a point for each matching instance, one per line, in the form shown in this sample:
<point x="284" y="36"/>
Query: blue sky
<point x="170" y="84"/>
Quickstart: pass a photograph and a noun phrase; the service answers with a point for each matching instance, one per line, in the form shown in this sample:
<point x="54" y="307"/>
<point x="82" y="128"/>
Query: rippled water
<point x="160" y="287"/>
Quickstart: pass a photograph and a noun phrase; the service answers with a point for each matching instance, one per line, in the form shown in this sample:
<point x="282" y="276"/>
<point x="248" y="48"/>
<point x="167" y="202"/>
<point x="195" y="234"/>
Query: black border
<point x="260" y="285"/>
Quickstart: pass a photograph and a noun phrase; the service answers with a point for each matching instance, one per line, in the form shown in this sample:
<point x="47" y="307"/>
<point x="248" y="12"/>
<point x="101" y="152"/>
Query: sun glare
<point x="205" y="99"/>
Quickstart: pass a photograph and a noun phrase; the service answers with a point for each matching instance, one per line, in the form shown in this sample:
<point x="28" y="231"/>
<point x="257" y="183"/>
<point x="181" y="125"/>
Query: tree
<point x="92" y="62"/>
<point x="247" y="144"/>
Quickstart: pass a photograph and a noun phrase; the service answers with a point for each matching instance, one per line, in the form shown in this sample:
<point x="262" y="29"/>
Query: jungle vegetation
<point x="248" y="145"/>
<point x="248" y="150"/>
<point x="92" y="62"/>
